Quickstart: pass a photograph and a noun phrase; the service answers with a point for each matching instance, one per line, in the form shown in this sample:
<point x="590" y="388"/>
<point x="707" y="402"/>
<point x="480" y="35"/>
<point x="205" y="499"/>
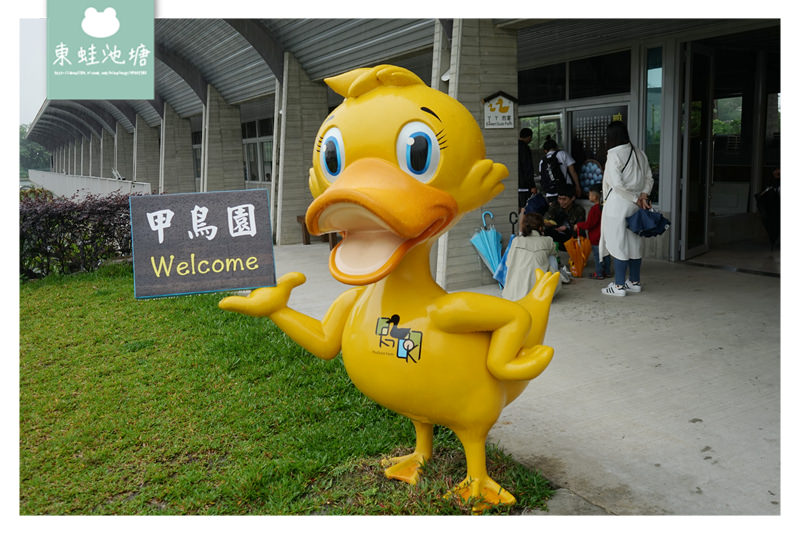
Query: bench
<point x="332" y="238"/>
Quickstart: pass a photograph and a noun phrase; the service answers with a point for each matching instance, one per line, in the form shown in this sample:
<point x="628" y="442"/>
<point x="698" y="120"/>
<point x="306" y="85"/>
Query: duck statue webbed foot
<point x="407" y="467"/>
<point x="483" y="492"/>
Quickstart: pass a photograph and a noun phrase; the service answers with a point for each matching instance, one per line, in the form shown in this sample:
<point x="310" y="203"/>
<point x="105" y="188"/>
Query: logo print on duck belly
<point x="406" y="342"/>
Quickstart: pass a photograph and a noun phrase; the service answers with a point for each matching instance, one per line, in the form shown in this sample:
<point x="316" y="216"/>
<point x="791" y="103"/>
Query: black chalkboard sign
<point x="201" y="242"/>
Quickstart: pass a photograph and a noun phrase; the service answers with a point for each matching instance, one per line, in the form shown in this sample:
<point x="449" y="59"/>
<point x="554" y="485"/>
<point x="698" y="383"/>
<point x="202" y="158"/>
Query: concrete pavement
<point x="665" y="402"/>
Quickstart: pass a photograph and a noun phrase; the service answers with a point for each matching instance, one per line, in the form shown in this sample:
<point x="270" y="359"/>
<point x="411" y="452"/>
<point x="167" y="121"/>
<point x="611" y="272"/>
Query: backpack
<point x="553" y="179"/>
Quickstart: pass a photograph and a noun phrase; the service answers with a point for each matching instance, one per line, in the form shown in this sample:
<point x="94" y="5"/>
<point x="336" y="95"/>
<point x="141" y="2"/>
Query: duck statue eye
<point x="331" y="154"/>
<point x="418" y="151"/>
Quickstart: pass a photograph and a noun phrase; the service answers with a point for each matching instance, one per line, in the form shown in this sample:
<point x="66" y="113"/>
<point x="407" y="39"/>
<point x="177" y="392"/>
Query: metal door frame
<point x="706" y="148"/>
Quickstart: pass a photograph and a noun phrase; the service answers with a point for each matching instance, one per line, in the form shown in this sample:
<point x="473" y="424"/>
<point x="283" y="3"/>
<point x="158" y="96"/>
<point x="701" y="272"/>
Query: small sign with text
<point x="201" y="242"/>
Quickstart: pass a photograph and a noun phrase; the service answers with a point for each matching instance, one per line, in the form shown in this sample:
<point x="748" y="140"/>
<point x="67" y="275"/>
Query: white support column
<point x="277" y="150"/>
<point x="304" y="106"/>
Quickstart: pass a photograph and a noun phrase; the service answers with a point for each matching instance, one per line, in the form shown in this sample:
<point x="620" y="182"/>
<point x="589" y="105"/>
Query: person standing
<point x="526" y="184"/>
<point x="627" y="182"/>
<point x="557" y="168"/>
<point x="602" y="266"/>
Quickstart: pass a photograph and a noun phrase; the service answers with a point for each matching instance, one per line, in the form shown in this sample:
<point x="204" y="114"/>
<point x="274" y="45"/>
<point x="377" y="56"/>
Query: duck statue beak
<point x="381" y="213"/>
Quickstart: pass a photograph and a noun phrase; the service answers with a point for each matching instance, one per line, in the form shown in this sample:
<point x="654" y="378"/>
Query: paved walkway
<point x="665" y="402"/>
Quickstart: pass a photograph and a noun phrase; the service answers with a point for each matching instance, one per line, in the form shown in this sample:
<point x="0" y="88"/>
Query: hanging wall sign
<point x="201" y="242"/>
<point x="498" y="111"/>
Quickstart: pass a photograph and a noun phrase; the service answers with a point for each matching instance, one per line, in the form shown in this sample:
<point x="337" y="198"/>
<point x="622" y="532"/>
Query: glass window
<point x="600" y="75"/>
<point x="249" y="130"/>
<point x="772" y="139"/>
<point x="543" y="84"/>
<point x="653" y="112"/>
<point x="244" y="158"/>
<point x="252" y="161"/>
<point x="266" y="159"/>
<point x="729" y="146"/>
<point x="265" y="127"/>
<point x="196" y="158"/>
<point x="542" y="127"/>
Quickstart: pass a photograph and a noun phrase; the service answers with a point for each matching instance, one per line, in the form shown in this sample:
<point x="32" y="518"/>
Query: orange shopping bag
<point x="579" y="249"/>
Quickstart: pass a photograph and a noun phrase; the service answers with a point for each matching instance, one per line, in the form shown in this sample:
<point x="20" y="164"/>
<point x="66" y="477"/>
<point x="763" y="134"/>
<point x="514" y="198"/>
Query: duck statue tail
<point x="537" y="303"/>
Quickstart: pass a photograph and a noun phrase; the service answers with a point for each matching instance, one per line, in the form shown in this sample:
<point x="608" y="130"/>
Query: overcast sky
<point x="32" y="68"/>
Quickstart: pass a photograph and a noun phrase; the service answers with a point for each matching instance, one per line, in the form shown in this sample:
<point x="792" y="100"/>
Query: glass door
<point x="697" y="150"/>
<point x="543" y="126"/>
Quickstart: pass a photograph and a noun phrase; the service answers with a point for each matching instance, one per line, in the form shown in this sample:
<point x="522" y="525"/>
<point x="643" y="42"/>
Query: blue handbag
<point x="647" y="223"/>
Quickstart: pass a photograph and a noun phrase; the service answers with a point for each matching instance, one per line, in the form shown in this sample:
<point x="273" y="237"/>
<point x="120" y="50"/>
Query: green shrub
<point x="66" y="235"/>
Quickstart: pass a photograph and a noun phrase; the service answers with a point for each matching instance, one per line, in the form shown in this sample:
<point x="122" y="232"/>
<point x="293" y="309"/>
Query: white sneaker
<point x="632" y="287"/>
<point x="566" y="275"/>
<point x="612" y="290"/>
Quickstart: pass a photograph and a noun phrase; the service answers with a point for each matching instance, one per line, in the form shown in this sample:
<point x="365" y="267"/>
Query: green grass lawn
<point x="173" y="406"/>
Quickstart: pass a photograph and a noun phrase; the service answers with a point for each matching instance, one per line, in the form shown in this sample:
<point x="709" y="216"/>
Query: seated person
<point x="561" y="218"/>
<point x="592" y="229"/>
<point x="529" y="251"/>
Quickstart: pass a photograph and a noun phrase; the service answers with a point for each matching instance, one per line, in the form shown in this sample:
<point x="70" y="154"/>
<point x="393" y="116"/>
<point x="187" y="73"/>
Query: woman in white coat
<point x="627" y="182"/>
<point x="529" y="251"/>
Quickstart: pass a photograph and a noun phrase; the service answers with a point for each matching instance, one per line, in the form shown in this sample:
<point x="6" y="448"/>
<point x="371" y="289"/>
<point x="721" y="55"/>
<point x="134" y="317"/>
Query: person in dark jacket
<point x="561" y="218"/>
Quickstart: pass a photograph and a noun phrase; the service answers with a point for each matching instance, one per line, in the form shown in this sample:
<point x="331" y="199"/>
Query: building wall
<point x="482" y="62"/>
<point x="481" y="59"/>
<point x="124" y="153"/>
<point x="146" y="153"/>
<point x="222" y="145"/>
<point x="69" y="157"/>
<point x="95" y="156"/>
<point x="85" y="157"/>
<point x="107" y="155"/>
<point x="76" y="155"/>
<point x="176" y="171"/>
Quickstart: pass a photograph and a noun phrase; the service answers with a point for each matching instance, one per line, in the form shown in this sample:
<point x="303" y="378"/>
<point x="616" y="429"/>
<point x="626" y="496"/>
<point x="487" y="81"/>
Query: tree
<point x="32" y="155"/>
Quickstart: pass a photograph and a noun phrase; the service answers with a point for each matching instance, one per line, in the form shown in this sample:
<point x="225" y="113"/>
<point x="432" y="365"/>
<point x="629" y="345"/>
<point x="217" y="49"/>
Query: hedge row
<point x="66" y="235"/>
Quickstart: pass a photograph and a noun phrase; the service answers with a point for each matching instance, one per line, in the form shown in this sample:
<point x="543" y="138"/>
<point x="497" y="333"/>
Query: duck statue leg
<point x="484" y="491"/>
<point x="406" y="467"/>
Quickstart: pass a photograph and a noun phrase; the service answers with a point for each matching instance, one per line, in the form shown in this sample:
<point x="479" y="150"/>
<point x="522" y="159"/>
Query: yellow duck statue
<point x="395" y="166"/>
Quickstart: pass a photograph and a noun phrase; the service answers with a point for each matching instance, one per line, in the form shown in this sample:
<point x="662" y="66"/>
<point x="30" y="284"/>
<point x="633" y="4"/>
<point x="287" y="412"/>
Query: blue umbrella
<point x="647" y="223"/>
<point x="487" y="242"/>
<point x="501" y="271"/>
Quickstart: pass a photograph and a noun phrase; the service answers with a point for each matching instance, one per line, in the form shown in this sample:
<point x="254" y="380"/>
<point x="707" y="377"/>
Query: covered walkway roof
<point x="243" y="60"/>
